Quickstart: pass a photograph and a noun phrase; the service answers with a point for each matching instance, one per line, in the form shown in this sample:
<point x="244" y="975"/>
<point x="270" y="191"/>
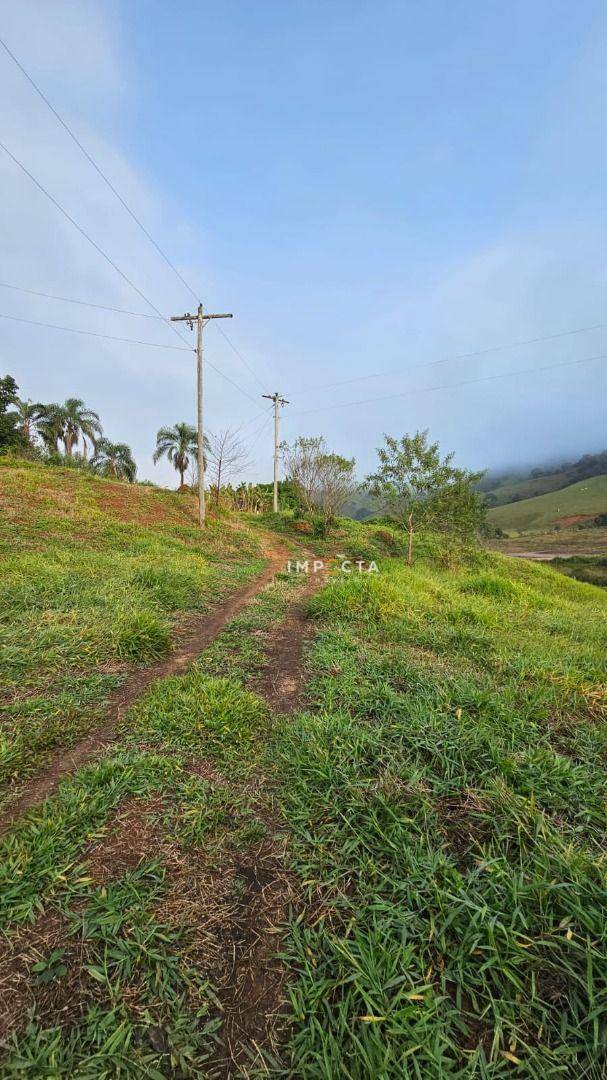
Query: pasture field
<point x="447" y="794"/>
<point x="585" y="500"/>
<point x="96" y="577"/>
<point x="395" y="869"/>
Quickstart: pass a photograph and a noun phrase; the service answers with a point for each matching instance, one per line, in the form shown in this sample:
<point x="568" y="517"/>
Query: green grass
<point x="141" y="985"/>
<point x="587" y="497"/>
<point x="447" y="794"/>
<point x="94" y="576"/>
<point x="529" y="488"/>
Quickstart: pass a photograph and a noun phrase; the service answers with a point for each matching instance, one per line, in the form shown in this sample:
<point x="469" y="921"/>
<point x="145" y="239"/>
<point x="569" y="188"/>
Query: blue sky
<point x="368" y="187"/>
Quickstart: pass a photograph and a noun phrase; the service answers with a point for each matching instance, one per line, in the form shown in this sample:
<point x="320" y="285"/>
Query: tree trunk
<point x="410" y="548"/>
<point x="181" y="475"/>
<point x="217" y="490"/>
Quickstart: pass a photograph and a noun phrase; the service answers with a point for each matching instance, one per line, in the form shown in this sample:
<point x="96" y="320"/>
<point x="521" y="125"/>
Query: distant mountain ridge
<point x="541" y="481"/>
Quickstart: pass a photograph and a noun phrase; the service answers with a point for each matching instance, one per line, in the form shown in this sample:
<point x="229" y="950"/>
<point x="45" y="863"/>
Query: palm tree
<point x="114" y="459"/>
<point x="28" y="414"/>
<point x="51" y="425"/>
<point x="66" y="423"/>
<point x="79" y="421"/>
<point x="179" y="445"/>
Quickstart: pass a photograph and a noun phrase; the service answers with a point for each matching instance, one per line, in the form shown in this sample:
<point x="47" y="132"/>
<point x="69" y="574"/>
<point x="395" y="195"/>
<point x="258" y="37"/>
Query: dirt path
<point x="252" y="994"/>
<point x="237" y="910"/>
<point x="201" y="631"/>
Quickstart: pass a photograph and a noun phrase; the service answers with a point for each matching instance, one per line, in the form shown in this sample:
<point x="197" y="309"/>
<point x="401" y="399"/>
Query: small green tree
<point x="10" y="436"/>
<point x="417" y="487"/>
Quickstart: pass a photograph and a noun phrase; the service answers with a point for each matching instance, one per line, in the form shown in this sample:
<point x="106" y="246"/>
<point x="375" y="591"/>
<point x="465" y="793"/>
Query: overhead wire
<point x="120" y="198"/>
<point x="81" y="303"/>
<point x="451" y="386"/>
<point x="465" y="356"/>
<point x="260" y="432"/>
<point x="252" y="419"/>
<point x="89" y="238"/>
<point x="94" y="333"/>
<point x="113" y="264"/>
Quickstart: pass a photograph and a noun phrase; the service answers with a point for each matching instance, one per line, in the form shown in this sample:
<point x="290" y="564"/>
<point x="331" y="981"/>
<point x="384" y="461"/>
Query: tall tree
<point x="114" y="459"/>
<point x="227" y="456"/>
<point x="179" y="445"/>
<point x="28" y="414"/>
<point x="51" y="425"/>
<point x="79" y="421"/>
<point x="417" y="487"/>
<point x="10" y="436"/>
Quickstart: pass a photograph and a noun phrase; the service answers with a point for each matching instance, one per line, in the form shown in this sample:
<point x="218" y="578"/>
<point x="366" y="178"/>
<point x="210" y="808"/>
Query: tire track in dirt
<point x="252" y="995"/>
<point x="200" y="632"/>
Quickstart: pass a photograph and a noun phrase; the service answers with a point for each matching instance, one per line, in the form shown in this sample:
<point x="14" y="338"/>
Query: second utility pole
<point x="200" y="319"/>
<point x="278" y="400"/>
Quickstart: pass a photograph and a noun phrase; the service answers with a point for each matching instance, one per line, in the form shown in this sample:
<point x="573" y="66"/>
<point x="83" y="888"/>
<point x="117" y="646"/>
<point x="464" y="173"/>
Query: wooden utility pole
<point x="201" y="319"/>
<point x="278" y="400"/>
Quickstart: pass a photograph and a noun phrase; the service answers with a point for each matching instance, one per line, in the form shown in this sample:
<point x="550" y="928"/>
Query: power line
<point x="86" y="235"/>
<point x="241" y="357"/>
<point x="82" y="303"/>
<point x="111" y="262"/>
<point x="465" y="356"/>
<point x="452" y="386"/>
<point x="94" y="333"/>
<point x="121" y="200"/>
<point x="252" y="419"/>
<point x="97" y="168"/>
<point x="231" y="381"/>
<point x="260" y="432"/>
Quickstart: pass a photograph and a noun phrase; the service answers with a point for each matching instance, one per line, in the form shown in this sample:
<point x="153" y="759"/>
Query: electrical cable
<point x="81" y="303"/>
<point x="94" y="333"/>
<point x="121" y="200"/>
<point x="453" y="386"/>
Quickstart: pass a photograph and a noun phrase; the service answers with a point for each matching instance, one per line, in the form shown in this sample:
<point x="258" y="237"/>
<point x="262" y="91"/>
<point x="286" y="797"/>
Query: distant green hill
<point x="360" y="506"/>
<point x="582" y="501"/>
<point x="540" y="481"/>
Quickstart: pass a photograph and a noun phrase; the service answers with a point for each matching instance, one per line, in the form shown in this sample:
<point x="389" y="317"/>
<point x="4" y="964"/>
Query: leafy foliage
<point x="418" y="488"/>
<point x="10" y="436"/>
<point x="323" y="479"/>
<point x="179" y="445"/>
<point x="114" y="459"/>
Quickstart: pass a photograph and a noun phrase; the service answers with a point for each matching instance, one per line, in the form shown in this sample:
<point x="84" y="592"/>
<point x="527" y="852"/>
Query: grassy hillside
<point x="516" y="489"/>
<point x="447" y="790"/>
<point x="95" y="577"/>
<point x="507" y="488"/>
<point x="586" y="499"/>
<point x="415" y="855"/>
